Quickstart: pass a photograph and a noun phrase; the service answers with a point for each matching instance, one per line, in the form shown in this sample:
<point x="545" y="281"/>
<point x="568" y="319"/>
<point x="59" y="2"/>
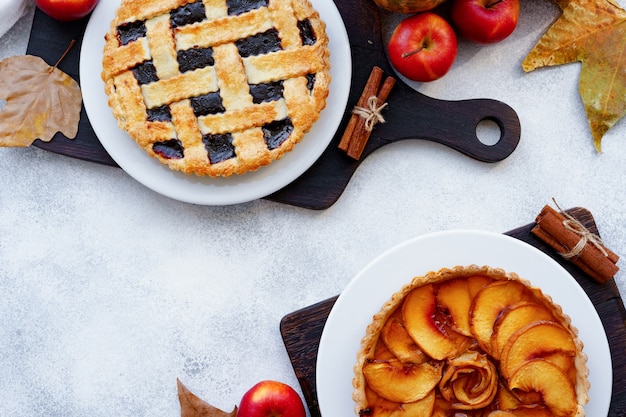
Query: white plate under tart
<point x="206" y="190"/>
<point x="387" y="274"/>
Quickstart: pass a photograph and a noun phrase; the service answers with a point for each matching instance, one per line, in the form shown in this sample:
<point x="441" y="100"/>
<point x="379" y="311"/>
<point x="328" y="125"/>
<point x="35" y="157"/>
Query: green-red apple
<point x="423" y="47"/>
<point x="485" y="21"/>
<point x="66" y="10"/>
<point x="271" y="399"/>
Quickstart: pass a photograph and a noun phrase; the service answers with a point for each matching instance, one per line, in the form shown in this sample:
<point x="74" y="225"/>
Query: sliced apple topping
<point x="547" y="379"/>
<point x="426" y="324"/>
<point x="501" y="413"/>
<point x="381" y="407"/>
<point x="402" y="382"/>
<point x="399" y="342"/>
<point x="512" y="319"/>
<point x="472" y="344"/>
<point x="382" y="352"/>
<point x="476" y="283"/>
<point x="542" y="339"/>
<point x="454" y="296"/>
<point x="531" y="411"/>
<point x="489" y="303"/>
<point x="470" y="381"/>
<point x="505" y="398"/>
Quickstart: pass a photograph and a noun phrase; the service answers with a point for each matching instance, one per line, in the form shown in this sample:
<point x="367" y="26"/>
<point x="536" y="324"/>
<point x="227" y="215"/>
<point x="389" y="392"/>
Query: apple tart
<point x="470" y="341"/>
<point x="216" y="87"/>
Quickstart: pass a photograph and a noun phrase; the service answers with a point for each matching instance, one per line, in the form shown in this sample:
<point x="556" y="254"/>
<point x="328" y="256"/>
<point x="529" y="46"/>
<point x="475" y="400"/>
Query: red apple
<point x="485" y="21"/>
<point x="271" y="399"/>
<point x="66" y="10"/>
<point x="423" y="47"/>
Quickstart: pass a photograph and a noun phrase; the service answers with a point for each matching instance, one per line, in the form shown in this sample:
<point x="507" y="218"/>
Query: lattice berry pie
<point x="216" y="87"/>
<point x="473" y="342"/>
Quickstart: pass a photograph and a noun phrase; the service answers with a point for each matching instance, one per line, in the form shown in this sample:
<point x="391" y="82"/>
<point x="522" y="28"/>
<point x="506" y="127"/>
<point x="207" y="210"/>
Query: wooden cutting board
<point x="302" y="329"/>
<point x="409" y="115"/>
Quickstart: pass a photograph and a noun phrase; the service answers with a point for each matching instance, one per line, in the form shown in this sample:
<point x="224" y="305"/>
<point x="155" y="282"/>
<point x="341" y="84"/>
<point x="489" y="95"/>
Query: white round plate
<point x="374" y="285"/>
<point x="205" y="190"/>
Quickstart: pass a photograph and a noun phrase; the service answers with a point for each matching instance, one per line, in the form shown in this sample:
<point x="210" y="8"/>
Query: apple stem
<point x="413" y="52"/>
<point x="65" y="53"/>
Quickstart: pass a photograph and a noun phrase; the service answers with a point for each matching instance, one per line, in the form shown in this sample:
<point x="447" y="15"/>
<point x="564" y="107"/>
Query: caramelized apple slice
<point x="442" y="408"/>
<point x="506" y="400"/>
<point x="426" y="325"/>
<point x="541" y="339"/>
<point x="401" y="382"/>
<point x="557" y="391"/>
<point x="380" y="407"/>
<point x="476" y="283"/>
<point x="487" y="306"/>
<point x="501" y="413"/>
<point x="524" y="403"/>
<point x="470" y="381"/>
<point x="399" y="342"/>
<point x="453" y="296"/>
<point x="456" y="295"/>
<point x="535" y="411"/>
<point x="381" y="352"/>
<point x="514" y="318"/>
<point x="532" y="411"/>
<point x="423" y="407"/>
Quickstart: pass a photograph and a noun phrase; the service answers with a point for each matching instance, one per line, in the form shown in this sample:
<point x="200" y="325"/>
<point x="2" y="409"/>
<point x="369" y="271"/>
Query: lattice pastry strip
<point x="223" y="30"/>
<point x="216" y="87"/>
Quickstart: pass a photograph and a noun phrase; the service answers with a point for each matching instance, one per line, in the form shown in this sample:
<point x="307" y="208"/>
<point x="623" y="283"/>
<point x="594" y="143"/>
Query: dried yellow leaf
<point x="40" y="101"/>
<point x="193" y="406"/>
<point x="592" y="32"/>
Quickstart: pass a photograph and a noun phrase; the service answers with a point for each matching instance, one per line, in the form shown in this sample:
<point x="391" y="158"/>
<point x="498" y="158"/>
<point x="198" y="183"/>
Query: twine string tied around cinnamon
<point x="568" y="234"/>
<point x="372" y="113"/>
<point x="573" y="225"/>
<point x="570" y="223"/>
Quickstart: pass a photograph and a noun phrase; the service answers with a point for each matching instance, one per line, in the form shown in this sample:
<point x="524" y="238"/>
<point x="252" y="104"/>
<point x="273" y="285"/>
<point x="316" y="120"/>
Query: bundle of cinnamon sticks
<point x="572" y="240"/>
<point x="366" y="113"/>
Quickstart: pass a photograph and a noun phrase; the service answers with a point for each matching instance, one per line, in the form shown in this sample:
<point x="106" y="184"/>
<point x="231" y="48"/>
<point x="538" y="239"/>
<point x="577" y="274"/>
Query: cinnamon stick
<point x="593" y="258"/>
<point x="371" y="88"/>
<point x="362" y="134"/>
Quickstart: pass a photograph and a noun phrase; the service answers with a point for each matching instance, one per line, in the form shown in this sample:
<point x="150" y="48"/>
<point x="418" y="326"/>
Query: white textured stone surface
<point x="109" y="291"/>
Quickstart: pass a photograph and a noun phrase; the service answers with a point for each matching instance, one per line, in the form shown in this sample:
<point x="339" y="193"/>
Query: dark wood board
<point x="301" y="330"/>
<point x="409" y="115"/>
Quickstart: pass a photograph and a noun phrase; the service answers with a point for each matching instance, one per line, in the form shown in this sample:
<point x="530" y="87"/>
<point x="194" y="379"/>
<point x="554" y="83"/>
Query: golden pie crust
<point x="216" y="87"/>
<point x="473" y="375"/>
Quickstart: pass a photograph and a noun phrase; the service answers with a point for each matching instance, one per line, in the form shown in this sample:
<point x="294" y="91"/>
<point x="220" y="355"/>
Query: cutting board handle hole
<point x="488" y="132"/>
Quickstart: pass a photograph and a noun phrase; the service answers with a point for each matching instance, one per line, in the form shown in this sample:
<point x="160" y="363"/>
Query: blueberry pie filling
<point x="188" y="14"/>
<point x="259" y="44"/>
<point x="307" y="35"/>
<point x="219" y="147"/>
<point x="267" y="91"/>
<point x="145" y="73"/>
<point x="237" y="7"/>
<point x="275" y="133"/>
<point x="131" y="31"/>
<point x="194" y="58"/>
<point x="159" y="114"/>
<point x="216" y="88"/>
<point x="207" y="104"/>
<point x="170" y="149"/>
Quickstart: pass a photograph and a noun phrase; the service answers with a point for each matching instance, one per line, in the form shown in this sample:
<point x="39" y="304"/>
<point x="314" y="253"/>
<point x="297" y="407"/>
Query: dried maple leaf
<point x="40" y="101"/>
<point x="594" y="33"/>
<point x="192" y="406"/>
